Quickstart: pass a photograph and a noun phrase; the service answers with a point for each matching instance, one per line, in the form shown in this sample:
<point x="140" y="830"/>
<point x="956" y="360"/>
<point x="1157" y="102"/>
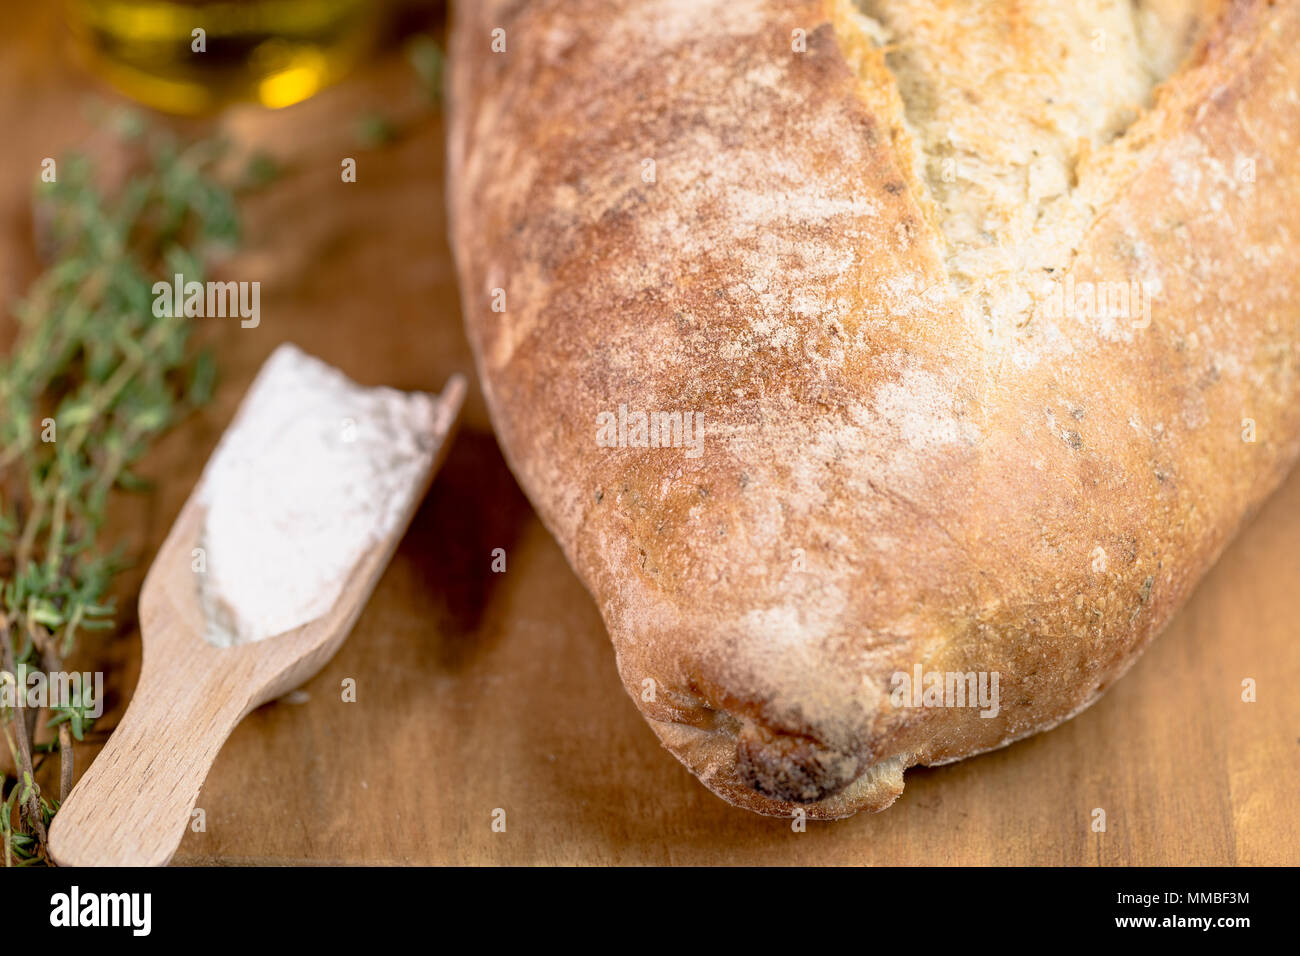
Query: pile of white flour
<point x="314" y="472"/>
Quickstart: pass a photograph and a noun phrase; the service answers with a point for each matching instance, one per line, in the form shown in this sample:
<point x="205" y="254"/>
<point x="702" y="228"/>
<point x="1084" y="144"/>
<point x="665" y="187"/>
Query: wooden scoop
<point x="134" y="803"/>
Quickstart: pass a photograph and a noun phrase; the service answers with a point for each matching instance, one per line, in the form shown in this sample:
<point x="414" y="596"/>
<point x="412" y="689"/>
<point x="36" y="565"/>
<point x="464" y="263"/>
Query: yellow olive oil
<point x="193" y="56"/>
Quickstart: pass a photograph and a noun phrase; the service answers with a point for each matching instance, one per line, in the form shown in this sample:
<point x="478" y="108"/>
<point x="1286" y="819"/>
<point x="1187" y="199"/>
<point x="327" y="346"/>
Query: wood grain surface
<point x="481" y="691"/>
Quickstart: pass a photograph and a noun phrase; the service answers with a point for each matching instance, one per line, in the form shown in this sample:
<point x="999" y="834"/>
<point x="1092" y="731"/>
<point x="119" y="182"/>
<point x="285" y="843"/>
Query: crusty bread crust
<point x="901" y="465"/>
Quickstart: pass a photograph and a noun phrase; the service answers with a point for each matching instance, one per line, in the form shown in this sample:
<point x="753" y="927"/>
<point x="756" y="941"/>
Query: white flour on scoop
<point x="314" y="472"/>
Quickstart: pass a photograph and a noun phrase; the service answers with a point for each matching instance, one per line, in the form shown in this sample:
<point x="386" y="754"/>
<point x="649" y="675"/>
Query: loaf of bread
<point x="891" y="371"/>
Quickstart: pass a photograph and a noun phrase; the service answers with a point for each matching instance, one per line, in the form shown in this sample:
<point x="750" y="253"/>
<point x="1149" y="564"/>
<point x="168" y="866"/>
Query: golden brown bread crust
<point x="900" y="467"/>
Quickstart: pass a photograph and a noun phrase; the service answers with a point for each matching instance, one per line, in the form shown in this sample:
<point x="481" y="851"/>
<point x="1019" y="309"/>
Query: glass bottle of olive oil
<point x="193" y="56"/>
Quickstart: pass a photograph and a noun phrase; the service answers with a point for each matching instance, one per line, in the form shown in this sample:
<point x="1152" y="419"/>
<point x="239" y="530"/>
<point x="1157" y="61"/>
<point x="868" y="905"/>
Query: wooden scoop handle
<point x="133" y="804"/>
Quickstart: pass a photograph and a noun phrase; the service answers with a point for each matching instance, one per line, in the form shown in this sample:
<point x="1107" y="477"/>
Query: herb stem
<point x="22" y="557"/>
<point x="20" y="748"/>
<point x="65" y="762"/>
<point x="56" y="531"/>
<point x="50" y="660"/>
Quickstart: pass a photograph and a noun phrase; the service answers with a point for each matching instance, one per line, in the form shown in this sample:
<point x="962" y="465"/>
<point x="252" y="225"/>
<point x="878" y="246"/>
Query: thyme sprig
<point x="93" y="378"/>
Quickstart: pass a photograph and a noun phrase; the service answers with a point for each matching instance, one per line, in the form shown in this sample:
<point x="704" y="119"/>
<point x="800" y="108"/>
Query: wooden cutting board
<point x="480" y="692"/>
